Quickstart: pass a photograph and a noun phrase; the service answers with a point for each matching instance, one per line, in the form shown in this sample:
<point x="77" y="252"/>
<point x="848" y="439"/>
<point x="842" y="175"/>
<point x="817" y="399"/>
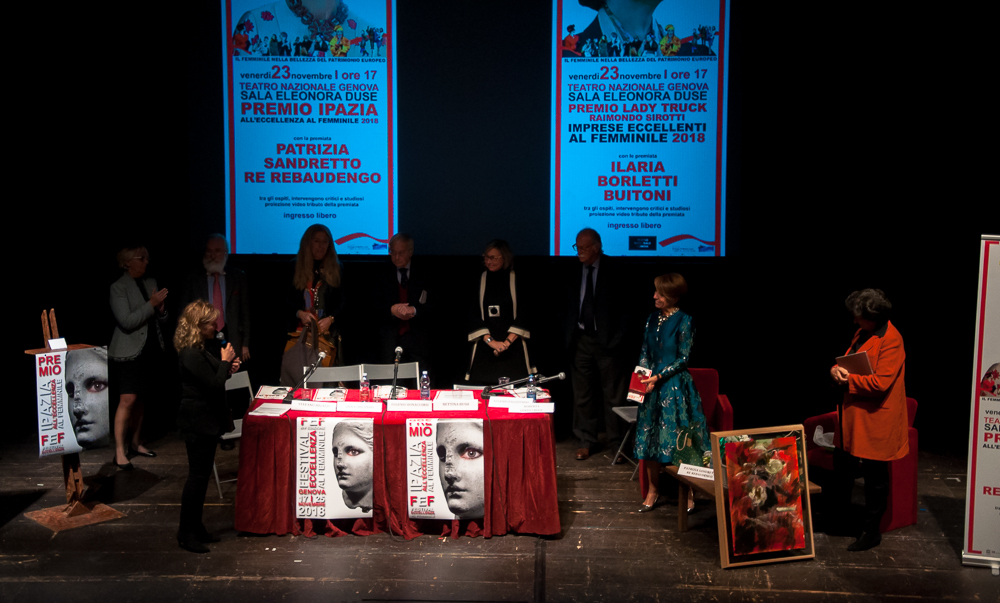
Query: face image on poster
<point x="73" y="412"/>
<point x="765" y="502"/>
<point x="445" y="464"/>
<point x="639" y="117"/>
<point x="335" y="478"/>
<point x="309" y="119"/>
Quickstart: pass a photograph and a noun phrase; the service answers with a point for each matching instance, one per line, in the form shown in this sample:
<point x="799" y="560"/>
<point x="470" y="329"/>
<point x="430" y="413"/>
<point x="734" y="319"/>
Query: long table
<point x="519" y="477"/>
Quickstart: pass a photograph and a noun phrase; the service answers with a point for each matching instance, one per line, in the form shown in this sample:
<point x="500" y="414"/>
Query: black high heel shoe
<point x="126" y="467"/>
<point x="647" y="508"/>
<point x="147" y="454"/>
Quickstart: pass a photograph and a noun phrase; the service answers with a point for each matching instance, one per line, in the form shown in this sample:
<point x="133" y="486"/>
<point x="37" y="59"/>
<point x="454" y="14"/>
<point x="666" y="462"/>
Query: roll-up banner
<point x="982" y="513"/>
<point x="310" y="132"/>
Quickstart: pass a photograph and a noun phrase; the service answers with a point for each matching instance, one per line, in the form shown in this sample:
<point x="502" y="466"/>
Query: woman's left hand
<point x="235" y="366"/>
<point x="650" y="383"/>
<point x="324" y="324"/>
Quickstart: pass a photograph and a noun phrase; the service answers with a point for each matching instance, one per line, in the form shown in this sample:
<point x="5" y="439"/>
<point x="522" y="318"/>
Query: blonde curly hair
<point x="188" y="333"/>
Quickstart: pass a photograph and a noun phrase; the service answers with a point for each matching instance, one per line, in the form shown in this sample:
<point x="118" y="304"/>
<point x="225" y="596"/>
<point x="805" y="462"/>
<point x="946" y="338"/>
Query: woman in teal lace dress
<point x="670" y="427"/>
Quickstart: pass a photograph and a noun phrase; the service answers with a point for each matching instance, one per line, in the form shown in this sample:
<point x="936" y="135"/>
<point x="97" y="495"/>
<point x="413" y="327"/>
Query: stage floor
<point x="606" y="552"/>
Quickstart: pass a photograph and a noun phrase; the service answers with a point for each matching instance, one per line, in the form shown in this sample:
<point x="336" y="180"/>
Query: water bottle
<point x="365" y="388"/>
<point x="425" y="386"/>
<point x="532" y="394"/>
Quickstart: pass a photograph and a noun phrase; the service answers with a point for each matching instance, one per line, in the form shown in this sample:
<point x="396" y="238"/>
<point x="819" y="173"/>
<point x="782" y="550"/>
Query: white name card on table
<point x="308" y="406"/>
<point x="57" y="344"/>
<point x="696" y="472"/>
<point x="385" y="392"/>
<point x="269" y="410"/>
<point x="524" y="407"/>
<point x="271" y="392"/>
<point x="358" y="406"/>
<point x="455" y="400"/>
<point x="500" y="401"/>
<point x="326" y="394"/>
<point x="408" y="405"/>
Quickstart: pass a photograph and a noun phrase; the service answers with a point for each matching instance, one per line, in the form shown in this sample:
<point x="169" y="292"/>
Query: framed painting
<point x="762" y="495"/>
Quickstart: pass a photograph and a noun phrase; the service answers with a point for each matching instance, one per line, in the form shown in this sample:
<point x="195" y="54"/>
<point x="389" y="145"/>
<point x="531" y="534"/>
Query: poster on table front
<point x="334" y="468"/>
<point x="444" y="468"/>
<point x="309" y="122"/>
<point x="639" y="126"/>
<point x="982" y="514"/>
<point x="72" y="396"/>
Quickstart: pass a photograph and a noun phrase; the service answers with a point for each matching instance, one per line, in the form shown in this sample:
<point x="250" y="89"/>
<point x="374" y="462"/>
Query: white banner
<point x="72" y="391"/>
<point x="444" y="468"/>
<point x="982" y="515"/>
<point x="335" y="473"/>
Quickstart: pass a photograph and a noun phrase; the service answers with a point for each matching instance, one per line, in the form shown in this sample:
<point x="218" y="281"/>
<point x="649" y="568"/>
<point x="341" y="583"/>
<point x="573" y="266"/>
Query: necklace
<point x="323" y="29"/>
<point x="665" y="315"/>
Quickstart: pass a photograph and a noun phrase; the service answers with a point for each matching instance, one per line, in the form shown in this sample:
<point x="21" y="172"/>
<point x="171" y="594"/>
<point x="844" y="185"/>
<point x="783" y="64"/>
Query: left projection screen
<point x="310" y="133"/>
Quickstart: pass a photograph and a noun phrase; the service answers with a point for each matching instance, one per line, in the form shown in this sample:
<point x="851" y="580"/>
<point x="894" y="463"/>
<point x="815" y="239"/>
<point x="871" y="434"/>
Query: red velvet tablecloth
<point x="520" y="477"/>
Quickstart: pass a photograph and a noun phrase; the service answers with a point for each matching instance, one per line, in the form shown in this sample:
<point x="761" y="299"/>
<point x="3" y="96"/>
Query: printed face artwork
<point x="460" y="464"/>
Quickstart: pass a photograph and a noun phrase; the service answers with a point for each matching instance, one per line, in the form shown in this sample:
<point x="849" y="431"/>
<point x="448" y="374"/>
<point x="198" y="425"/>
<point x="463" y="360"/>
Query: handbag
<point x="303" y="349"/>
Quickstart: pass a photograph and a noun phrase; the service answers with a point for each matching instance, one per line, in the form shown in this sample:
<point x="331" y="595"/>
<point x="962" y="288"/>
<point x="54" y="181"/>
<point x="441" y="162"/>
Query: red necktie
<point x="220" y="322"/>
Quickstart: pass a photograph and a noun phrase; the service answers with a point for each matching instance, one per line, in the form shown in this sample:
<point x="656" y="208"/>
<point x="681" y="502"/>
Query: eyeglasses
<point x="493" y="258"/>
<point x="582" y="247"/>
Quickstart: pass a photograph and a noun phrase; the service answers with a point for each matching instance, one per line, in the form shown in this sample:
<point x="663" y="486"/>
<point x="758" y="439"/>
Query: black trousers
<point x="201" y="458"/>
<point x="846" y="468"/>
<point x="599" y="384"/>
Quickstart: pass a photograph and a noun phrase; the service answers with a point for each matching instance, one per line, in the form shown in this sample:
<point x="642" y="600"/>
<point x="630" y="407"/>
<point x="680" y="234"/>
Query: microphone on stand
<point x="488" y="390"/>
<point x="560" y="377"/>
<point x="312" y="369"/>
<point x="395" y="372"/>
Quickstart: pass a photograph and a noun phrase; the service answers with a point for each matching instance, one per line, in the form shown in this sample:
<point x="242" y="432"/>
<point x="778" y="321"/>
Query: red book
<point x="636" y="388"/>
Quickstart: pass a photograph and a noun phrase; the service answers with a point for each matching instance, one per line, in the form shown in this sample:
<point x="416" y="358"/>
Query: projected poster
<point x="639" y="126"/>
<point x="309" y="122"/>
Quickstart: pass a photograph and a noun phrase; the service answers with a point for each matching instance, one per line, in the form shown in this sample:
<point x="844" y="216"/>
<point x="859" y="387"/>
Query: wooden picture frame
<point x="770" y="518"/>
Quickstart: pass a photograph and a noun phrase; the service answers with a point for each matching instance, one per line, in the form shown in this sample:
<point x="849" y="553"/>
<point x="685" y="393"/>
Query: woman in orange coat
<point x="873" y="423"/>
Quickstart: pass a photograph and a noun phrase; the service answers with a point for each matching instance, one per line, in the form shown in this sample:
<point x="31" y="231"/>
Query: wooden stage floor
<point x="606" y="552"/>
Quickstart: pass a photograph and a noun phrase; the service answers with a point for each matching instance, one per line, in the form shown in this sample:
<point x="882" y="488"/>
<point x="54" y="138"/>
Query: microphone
<point x="395" y="372"/>
<point x="560" y="376"/>
<point x="305" y="378"/>
<point x="221" y="338"/>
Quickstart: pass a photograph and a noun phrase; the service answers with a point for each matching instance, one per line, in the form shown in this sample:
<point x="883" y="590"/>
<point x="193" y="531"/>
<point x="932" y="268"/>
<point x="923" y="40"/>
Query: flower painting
<point x="765" y="496"/>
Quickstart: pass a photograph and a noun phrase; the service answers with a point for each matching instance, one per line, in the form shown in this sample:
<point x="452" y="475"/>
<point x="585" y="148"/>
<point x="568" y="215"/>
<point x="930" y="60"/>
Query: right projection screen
<point x="639" y="115"/>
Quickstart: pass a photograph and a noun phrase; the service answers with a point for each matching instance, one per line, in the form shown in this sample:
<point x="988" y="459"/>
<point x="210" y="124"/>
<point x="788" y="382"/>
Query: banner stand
<point x="77" y="512"/>
<point x="981" y="545"/>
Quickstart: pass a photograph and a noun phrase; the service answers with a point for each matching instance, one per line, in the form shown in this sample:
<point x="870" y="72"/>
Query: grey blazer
<point x="132" y="314"/>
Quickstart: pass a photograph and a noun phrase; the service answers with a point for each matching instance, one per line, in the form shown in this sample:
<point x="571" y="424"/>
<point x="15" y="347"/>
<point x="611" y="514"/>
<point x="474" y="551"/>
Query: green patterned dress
<point x="671" y="425"/>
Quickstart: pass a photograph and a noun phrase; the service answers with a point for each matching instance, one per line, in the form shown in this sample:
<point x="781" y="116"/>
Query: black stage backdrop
<point x="826" y="196"/>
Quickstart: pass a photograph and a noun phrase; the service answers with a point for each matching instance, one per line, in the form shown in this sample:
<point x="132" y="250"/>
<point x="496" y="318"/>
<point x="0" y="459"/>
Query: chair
<point x="901" y="510"/>
<point x="629" y="414"/>
<point x="718" y="411"/>
<point x="334" y="374"/>
<point x="235" y="381"/>
<point x="407" y="370"/>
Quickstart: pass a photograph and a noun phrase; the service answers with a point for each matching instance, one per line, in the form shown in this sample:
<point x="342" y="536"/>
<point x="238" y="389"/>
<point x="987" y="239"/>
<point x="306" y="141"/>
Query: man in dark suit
<point x="595" y="331"/>
<point x="225" y="287"/>
<point x="403" y="308"/>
